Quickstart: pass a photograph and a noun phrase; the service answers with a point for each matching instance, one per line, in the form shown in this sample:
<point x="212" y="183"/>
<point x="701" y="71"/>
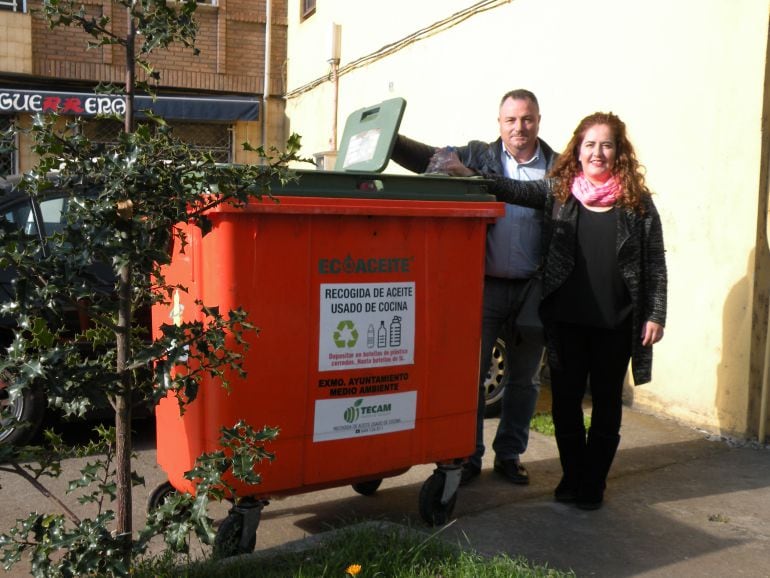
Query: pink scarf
<point x="589" y="194"/>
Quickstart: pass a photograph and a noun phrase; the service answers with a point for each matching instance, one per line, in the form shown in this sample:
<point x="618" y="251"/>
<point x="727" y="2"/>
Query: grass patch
<point x="364" y="551"/>
<point x="542" y="422"/>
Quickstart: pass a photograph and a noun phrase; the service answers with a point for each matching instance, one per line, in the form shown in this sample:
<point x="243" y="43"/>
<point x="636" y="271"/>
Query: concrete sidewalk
<point x="678" y="504"/>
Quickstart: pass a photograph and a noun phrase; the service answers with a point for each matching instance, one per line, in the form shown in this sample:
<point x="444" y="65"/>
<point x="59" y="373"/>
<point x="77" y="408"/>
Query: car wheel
<point x="497" y="377"/>
<point x="28" y="408"/>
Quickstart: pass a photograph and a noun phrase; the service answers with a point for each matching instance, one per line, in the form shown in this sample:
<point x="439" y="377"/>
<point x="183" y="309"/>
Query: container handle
<point x="371" y="186"/>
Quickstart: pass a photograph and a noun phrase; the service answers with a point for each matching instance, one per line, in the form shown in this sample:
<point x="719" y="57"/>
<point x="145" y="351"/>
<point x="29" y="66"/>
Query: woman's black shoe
<point x="589" y="498"/>
<point x="565" y="492"/>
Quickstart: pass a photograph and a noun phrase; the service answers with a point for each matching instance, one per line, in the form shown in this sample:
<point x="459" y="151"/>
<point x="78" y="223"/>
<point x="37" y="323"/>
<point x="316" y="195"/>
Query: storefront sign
<point x="224" y="108"/>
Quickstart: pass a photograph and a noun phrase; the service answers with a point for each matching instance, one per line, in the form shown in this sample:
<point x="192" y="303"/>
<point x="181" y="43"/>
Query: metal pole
<point x="266" y="81"/>
<point x="334" y="61"/>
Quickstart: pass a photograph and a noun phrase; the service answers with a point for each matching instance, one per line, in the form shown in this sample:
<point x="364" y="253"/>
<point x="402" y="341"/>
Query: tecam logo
<point x="355" y="411"/>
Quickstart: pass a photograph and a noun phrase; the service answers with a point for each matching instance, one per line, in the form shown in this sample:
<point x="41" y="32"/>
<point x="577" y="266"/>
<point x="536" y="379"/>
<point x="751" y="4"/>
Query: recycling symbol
<point x="345" y="327"/>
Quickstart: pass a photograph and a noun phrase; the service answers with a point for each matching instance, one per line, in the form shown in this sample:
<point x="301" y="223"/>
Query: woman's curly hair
<point x="627" y="170"/>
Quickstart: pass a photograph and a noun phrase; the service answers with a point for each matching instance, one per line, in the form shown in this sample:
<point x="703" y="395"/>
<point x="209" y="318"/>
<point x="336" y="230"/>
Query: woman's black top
<point x="594" y="294"/>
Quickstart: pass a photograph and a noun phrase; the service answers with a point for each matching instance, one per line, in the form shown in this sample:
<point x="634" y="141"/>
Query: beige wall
<point x="16" y="40"/>
<point x="252" y="132"/>
<point x="687" y="76"/>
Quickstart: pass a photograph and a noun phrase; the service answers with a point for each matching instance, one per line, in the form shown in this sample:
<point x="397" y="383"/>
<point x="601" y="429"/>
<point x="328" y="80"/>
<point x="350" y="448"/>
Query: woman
<point x="604" y="291"/>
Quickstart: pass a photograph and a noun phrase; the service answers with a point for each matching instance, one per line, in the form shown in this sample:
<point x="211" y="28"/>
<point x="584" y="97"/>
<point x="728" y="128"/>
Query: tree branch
<point x="43" y="490"/>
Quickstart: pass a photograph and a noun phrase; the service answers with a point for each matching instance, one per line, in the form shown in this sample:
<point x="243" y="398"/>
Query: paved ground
<point x="678" y="504"/>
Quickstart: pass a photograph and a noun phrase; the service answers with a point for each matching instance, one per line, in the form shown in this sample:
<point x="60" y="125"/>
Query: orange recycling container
<point x="367" y="293"/>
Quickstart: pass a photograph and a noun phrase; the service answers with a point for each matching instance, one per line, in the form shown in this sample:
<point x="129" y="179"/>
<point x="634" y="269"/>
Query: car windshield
<point x="22" y="216"/>
<point x="52" y="213"/>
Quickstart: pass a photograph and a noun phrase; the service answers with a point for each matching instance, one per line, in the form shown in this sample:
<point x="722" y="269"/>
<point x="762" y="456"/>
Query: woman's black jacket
<point x="640" y="251"/>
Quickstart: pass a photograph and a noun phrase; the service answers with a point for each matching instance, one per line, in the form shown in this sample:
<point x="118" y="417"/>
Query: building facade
<point x="229" y="93"/>
<point x="689" y="78"/>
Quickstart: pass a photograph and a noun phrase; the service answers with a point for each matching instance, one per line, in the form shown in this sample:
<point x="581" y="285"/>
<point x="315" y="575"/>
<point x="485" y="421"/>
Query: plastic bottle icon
<point x="370" y="336"/>
<point x="382" y="335"/>
<point x="395" y="331"/>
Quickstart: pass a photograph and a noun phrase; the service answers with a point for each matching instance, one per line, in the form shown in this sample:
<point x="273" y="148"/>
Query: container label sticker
<point x="353" y="417"/>
<point x="361" y="147"/>
<point x="364" y="325"/>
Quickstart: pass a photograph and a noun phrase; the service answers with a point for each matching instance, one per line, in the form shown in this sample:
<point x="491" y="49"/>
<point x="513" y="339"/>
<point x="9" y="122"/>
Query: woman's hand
<point x="447" y="162"/>
<point x="651" y="333"/>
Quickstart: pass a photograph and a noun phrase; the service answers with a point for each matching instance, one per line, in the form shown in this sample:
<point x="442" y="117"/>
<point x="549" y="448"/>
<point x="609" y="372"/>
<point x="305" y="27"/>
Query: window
<point x="308" y="8"/>
<point x="209" y="137"/>
<point x="13" y="5"/>
<point x="206" y="136"/>
<point x="7" y="157"/>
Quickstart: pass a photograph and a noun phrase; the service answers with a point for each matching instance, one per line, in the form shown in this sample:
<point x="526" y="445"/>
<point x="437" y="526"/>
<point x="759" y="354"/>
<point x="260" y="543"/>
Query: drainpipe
<point x="336" y="84"/>
<point x="266" y="82"/>
<point x="334" y="61"/>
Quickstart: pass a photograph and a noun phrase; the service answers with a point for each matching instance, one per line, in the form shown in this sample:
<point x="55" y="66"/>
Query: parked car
<point x="37" y="221"/>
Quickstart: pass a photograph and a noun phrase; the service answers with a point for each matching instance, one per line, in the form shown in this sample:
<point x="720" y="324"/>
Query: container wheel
<point x="367" y="488"/>
<point x="431" y="509"/>
<point x="228" y="540"/>
<point x="158" y="496"/>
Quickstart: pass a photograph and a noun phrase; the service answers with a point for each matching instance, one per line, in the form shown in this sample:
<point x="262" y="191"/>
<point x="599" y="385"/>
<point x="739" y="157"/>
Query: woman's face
<point x="597" y="153"/>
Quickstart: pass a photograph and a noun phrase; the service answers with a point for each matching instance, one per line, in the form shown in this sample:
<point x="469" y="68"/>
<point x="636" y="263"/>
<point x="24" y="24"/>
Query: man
<point x="513" y="256"/>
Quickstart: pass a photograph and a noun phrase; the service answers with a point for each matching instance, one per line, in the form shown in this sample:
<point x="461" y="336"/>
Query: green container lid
<point x="369" y="136"/>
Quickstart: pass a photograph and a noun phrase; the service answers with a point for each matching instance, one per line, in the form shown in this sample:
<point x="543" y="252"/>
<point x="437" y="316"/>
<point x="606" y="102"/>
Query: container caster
<point x="367" y="488"/>
<point x="439" y="495"/>
<point x="238" y="532"/>
<point x="159" y="495"/>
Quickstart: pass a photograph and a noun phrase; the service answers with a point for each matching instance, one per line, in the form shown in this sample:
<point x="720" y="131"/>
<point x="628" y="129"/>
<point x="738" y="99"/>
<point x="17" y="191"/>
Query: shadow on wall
<point x="760" y="320"/>
<point x="740" y="367"/>
<point x="739" y="372"/>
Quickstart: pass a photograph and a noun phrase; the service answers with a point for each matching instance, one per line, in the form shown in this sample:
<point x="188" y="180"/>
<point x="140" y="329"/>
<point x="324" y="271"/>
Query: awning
<point x="212" y="108"/>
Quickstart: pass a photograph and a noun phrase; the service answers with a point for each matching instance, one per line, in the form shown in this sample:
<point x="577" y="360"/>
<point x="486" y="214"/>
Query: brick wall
<point x="231" y="40"/>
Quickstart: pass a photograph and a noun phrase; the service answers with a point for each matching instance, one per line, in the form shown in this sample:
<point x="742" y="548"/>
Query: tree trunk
<point x="123" y="446"/>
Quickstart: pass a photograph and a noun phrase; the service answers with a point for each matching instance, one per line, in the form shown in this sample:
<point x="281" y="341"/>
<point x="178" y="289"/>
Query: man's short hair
<point x="520" y="94"/>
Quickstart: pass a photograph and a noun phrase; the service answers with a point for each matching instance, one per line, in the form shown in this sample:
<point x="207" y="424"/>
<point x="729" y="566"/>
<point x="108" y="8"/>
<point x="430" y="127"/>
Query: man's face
<point x="519" y="124"/>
